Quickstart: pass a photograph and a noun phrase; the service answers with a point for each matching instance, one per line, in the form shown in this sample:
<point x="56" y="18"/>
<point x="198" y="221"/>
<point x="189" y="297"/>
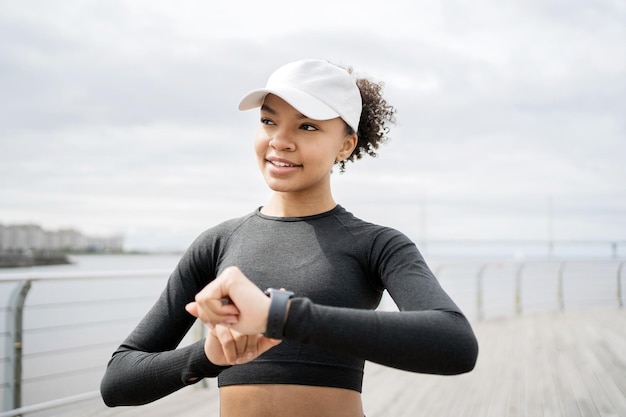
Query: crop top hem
<point x="281" y="372"/>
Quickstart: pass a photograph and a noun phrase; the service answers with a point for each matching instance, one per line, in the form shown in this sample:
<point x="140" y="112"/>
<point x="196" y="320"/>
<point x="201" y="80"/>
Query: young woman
<point x="297" y="349"/>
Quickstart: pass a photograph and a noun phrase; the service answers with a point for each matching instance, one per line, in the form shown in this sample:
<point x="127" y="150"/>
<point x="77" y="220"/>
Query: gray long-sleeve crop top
<point x="338" y="267"/>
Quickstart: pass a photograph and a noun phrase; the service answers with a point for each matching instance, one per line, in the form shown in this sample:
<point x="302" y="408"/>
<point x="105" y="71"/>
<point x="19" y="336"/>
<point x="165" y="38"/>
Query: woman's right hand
<point x="232" y="299"/>
<point x="225" y="346"/>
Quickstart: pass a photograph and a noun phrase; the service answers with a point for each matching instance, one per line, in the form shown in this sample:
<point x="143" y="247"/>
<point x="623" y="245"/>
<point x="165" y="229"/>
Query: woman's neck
<point x="286" y="205"/>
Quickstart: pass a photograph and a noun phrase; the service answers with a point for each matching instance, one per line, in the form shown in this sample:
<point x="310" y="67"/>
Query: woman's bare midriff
<point x="279" y="400"/>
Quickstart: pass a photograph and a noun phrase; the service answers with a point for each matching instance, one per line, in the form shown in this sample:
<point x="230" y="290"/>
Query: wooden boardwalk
<point x="569" y="364"/>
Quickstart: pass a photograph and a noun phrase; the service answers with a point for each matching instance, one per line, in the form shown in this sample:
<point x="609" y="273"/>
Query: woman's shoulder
<point x="221" y="230"/>
<point x="359" y="226"/>
<point x="374" y="240"/>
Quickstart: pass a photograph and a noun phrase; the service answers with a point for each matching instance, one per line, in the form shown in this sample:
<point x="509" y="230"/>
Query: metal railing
<point x="16" y="327"/>
<point x="49" y="405"/>
<point x="15" y="330"/>
<point x="535" y="248"/>
<point x="614" y="271"/>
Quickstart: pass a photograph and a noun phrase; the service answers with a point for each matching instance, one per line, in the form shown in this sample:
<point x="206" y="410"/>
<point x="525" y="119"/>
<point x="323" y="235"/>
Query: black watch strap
<point x="279" y="300"/>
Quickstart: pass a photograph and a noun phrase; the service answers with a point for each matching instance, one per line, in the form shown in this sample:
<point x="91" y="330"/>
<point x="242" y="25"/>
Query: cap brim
<point x="305" y="103"/>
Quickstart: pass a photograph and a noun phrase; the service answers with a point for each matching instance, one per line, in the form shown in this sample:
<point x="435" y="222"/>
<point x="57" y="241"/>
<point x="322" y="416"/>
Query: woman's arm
<point x="147" y="365"/>
<point x="431" y="341"/>
<point x="134" y="377"/>
<point x="429" y="334"/>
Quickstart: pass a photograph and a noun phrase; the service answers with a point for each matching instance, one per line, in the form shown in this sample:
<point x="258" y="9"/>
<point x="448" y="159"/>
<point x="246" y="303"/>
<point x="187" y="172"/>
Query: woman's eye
<point x="266" y="121"/>
<point x="308" y="127"/>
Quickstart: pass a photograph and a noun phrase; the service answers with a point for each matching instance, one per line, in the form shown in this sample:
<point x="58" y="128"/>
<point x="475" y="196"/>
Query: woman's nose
<point x="281" y="140"/>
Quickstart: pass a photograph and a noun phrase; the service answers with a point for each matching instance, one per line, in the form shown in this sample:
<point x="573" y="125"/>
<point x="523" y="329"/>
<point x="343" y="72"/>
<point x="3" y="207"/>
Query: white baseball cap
<point x="316" y="88"/>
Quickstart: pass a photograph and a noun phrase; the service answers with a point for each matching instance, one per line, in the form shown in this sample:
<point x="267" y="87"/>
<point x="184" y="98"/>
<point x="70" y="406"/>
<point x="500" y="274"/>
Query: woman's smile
<point x="280" y="166"/>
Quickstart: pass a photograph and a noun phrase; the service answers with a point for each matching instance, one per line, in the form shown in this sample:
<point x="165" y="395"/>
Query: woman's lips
<point x="281" y="166"/>
<point x="279" y="162"/>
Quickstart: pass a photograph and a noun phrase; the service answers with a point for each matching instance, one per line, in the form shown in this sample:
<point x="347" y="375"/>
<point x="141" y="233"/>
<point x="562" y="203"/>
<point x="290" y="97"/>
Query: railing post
<point x="518" y="289"/>
<point x="559" y="288"/>
<point x="479" y="291"/>
<point x="15" y="321"/>
<point x="620" y="301"/>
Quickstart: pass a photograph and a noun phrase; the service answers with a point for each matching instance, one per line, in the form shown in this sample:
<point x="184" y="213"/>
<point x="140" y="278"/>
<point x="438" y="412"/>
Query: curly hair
<point x="376" y="115"/>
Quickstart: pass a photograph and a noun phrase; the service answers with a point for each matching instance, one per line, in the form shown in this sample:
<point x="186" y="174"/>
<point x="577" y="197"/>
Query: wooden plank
<point x="564" y="372"/>
<point x="609" y="365"/>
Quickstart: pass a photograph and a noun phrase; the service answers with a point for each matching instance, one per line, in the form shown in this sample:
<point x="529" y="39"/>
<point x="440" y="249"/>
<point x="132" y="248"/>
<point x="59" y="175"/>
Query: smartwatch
<point x="279" y="300"/>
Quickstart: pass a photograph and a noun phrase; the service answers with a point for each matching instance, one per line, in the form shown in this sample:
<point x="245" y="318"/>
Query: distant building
<point x="34" y="237"/>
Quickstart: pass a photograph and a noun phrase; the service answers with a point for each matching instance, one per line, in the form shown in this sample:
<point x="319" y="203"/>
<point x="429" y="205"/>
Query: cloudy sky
<point x="121" y="116"/>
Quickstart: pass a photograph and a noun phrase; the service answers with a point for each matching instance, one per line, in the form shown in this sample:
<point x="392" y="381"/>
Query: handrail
<point x="517" y="296"/>
<point x="18" y="412"/>
<point x="613" y="246"/>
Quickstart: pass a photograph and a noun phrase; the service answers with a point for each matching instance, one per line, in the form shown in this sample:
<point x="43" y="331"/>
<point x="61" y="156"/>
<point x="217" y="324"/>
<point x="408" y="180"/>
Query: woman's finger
<point x="241" y="343"/>
<point x="250" y="351"/>
<point x="213" y="311"/>
<point x="227" y="340"/>
<point x="192" y="308"/>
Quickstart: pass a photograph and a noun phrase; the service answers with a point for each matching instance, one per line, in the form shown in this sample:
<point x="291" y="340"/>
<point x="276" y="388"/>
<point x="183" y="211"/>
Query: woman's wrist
<point x="278" y="312"/>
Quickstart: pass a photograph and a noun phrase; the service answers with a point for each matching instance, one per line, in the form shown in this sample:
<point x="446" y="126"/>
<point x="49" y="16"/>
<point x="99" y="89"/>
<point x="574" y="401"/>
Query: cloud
<point x="121" y="117"/>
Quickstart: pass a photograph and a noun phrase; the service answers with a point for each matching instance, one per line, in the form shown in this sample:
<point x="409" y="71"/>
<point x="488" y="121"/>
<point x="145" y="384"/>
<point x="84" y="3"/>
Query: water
<point x="71" y="327"/>
<point x="104" y="262"/>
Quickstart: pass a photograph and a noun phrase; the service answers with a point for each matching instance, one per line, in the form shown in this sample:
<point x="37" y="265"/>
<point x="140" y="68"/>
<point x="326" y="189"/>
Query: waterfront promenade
<point x="569" y="364"/>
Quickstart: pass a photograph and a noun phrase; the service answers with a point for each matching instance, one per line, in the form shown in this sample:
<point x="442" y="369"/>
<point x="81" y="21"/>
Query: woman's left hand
<point x="225" y="346"/>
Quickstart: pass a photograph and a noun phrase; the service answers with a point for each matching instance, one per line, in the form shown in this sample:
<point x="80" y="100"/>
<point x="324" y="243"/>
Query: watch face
<point x="271" y="291"/>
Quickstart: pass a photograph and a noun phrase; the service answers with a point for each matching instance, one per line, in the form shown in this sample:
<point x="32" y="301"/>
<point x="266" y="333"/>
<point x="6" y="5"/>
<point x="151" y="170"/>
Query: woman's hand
<point x="225" y="346"/>
<point x="233" y="300"/>
<point x="236" y="312"/>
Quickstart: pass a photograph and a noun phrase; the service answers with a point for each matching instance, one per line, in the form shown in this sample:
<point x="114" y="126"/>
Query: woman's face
<point x="295" y="153"/>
